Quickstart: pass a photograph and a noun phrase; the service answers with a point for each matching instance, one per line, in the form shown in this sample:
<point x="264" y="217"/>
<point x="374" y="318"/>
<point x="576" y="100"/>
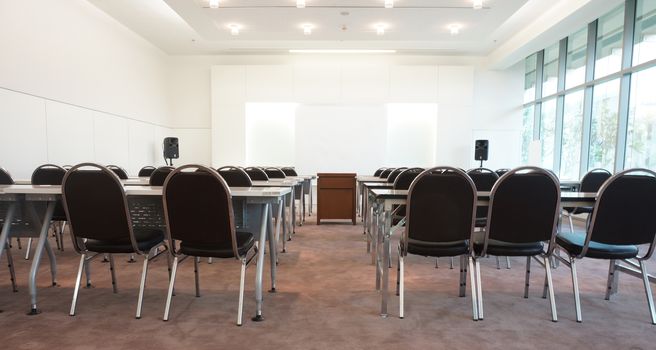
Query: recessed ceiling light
<point x="340" y="51"/>
<point x="300" y="4"/>
<point x="477" y="4"/>
<point x="389" y="4"/>
<point x="307" y="28"/>
<point x="380" y="28"/>
<point x="214" y="4"/>
<point x="454" y="28"/>
<point x="234" y="28"/>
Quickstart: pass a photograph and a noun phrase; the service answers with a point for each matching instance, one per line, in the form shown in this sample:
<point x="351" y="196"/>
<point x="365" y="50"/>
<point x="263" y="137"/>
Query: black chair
<point x="158" y="176"/>
<point x="441" y="209"/>
<point x="385" y="173"/>
<point x="392" y="176"/>
<point x="120" y="172"/>
<point x="501" y="171"/>
<point x="6" y="179"/>
<point x="275" y="173"/>
<point x="146" y="171"/>
<point x="235" y="176"/>
<point x="402" y="182"/>
<point x="621" y="220"/>
<point x="256" y="174"/>
<point x="484" y="179"/>
<point x="199" y="216"/>
<point x="67" y="166"/>
<point x="289" y="171"/>
<point x="591" y="182"/>
<point x="523" y="214"/>
<point x="98" y="213"/>
<point x="50" y="174"/>
<point x="377" y="172"/>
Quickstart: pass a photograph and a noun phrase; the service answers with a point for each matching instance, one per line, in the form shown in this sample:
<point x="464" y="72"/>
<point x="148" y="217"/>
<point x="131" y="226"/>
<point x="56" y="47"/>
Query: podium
<point x="336" y="196"/>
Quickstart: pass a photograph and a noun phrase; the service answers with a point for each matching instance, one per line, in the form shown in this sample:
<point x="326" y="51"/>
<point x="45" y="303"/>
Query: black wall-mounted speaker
<point x="171" y="150"/>
<point x="480" y="149"/>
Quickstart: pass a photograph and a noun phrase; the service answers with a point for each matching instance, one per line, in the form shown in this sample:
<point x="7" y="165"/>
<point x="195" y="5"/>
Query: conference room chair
<point x="275" y="173"/>
<point x="200" y="223"/>
<point x="402" y="182"/>
<point x="146" y="171"/>
<point x="484" y="179"/>
<point x="50" y="174"/>
<point x="67" y="166"/>
<point x="158" y="176"/>
<point x="591" y="182"/>
<point x="97" y="208"/>
<point x="120" y="172"/>
<point x="256" y="174"/>
<point x="385" y="173"/>
<point x="235" y="176"/>
<point x="377" y="172"/>
<point x="439" y="230"/>
<point x="621" y="220"/>
<point x="6" y="179"/>
<point x="289" y="171"/>
<point x="392" y="176"/>
<point x="501" y="171"/>
<point x="523" y="214"/>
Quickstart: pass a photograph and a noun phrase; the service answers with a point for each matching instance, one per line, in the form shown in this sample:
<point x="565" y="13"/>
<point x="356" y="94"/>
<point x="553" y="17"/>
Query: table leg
<point x="38" y="252"/>
<point x="385" y="263"/>
<point x="279" y="225"/>
<point x="273" y="248"/>
<point x="260" y="263"/>
<point x="293" y="209"/>
<point x="311" y="196"/>
<point x="4" y="234"/>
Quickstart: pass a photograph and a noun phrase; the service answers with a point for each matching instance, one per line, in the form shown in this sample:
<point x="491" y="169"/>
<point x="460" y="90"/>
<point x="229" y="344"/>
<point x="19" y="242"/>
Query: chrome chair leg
<point x="552" y="298"/>
<point x="575" y="285"/>
<point x="196" y="281"/>
<point x="55" y="235"/>
<point x="571" y="223"/>
<point x="527" y="280"/>
<point x="112" y="270"/>
<point x="87" y="272"/>
<point x="61" y="235"/>
<point x="210" y="260"/>
<point x="437" y="263"/>
<point x="28" y="248"/>
<point x="18" y="242"/>
<point x="508" y="262"/>
<point x="498" y="263"/>
<point x="463" y="276"/>
<point x="78" y="280"/>
<point x="10" y="265"/>
<point x="398" y="271"/>
<point x="472" y="275"/>
<point x="479" y="289"/>
<point x="401" y="287"/>
<point x="174" y="270"/>
<point x="611" y="277"/>
<point x="142" y="286"/>
<point x="650" y="299"/>
<point x="240" y="309"/>
<point x="451" y="263"/>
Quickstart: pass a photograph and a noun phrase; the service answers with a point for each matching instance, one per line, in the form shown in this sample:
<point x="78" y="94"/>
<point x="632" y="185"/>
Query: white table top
<point x="276" y="183"/>
<point x="132" y="181"/>
<point x="369" y="178"/>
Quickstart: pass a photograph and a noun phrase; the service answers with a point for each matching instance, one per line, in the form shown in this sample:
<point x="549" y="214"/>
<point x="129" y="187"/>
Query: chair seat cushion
<point x="146" y="240"/>
<point x="437" y="249"/>
<point x="501" y="248"/>
<point x="245" y="241"/>
<point x="573" y="244"/>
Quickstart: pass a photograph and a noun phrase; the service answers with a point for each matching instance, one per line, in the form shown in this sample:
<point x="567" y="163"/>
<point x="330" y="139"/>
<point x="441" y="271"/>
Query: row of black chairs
<point x="522" y="221"/>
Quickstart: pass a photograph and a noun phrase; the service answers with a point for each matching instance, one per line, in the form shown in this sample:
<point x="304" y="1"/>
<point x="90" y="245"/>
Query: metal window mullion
<point x="539" y="76"/>
<point x="560" y="105"/>
<point x="625" y="84"/>
<point x="587" y="97"/>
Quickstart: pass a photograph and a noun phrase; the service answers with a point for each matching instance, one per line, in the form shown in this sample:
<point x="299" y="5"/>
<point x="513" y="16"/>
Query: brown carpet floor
<point x="326" y="300"/>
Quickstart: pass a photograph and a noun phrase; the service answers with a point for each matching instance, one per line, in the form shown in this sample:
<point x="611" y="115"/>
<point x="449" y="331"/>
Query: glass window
<point x="550" y="71"/>
<point x="547" y="133"/>
<point x="609" y="43"/>
<point x="572" y="132"/>
<point x="644" y="47"/>
<point x="641" y="136"/>
<point x="577" y="44"/>
<point x="528" y="117"/>
<point x="603" y="136"/>
<point x="529" y="78"/>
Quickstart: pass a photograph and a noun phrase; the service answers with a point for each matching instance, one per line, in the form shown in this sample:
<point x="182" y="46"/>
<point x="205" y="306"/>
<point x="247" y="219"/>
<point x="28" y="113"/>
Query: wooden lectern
<point x="336" y="196"/>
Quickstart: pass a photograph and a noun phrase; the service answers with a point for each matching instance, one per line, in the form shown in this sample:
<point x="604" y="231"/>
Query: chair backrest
<point x="392" y="176"/>
<point x="5" y="178"/>
<point x="501" y="171"/>
<point x="235" y="176"/>
<point x="385" y="173"/>
<point x="484" y="179"/>
<point x="48" y="174"/>
<point x="275" y="173"/>
<point x="120" y="172"/>
<point x="623" y="211"/>
<point x="198" y="208"/>
<point x="593" y="179"/>
<point x="146" y="171"/>
<point x="524" y="207"/>
<point x="158" y="176"/>
<point x="441" y="206"/>
<point x="96" y="205"/>
<point x="377" y="172"/>
<point x="289" y="171"/>
<point x="256" y="174"/>
<point x="405" y="178"/>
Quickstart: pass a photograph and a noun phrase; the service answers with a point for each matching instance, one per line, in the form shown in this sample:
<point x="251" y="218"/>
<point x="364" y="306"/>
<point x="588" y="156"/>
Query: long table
<point x="42" y="199"/>
<point x="383" y="200"/>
